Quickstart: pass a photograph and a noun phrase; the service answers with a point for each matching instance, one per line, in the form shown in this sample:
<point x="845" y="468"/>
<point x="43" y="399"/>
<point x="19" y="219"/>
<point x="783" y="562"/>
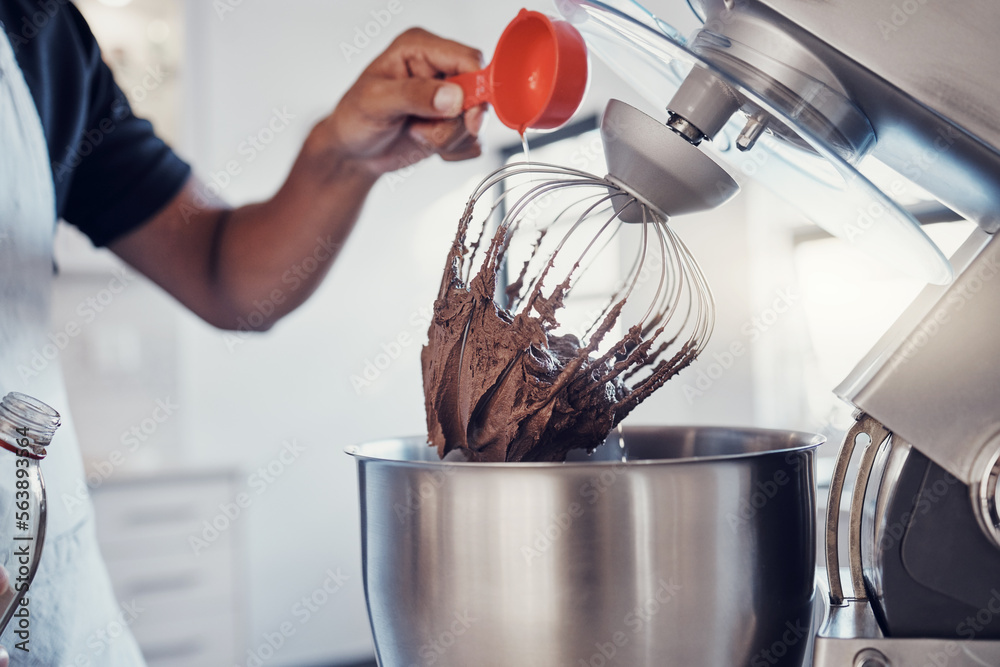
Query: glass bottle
<point x="26" y="428"/>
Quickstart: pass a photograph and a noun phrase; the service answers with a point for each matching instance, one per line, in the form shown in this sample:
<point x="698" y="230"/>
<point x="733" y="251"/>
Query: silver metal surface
<point x="761" y="54"/>
<point x="876" y="433"/>
<point x="871" y="658"/>
<point x="940" y="52"/>
<point x="925" y="74"/>
<point x="851" y="630"/>
<point x="755" y="127"/>
<point x="685" y="128"/>
<point x="934" y="379"/>
<point x="878" y="534"/>
<point x="986" y="491"/>
<point x="691" y="546"/>
<point x="857" y="507"/>
<point x="643" y="156"/>
<point x="705" y="101"/>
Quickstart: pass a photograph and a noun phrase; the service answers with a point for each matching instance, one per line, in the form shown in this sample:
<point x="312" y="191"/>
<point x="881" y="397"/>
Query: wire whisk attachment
<point x="504" y="380"/>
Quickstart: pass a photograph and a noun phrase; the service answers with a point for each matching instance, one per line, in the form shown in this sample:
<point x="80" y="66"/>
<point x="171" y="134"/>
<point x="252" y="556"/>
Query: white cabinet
<point x="188" y="594"/>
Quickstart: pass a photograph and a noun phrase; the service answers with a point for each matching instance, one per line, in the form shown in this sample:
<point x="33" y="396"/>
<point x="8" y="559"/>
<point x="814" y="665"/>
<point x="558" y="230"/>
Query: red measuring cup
<point x="538" y="75"/>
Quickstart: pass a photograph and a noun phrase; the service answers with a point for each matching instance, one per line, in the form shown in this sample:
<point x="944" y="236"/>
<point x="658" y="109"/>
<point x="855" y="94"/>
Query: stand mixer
<point x="801" y="94"/>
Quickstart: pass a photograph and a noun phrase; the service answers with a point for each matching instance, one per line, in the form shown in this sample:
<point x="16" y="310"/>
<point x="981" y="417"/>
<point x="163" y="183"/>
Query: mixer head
<point x="661" y="168"/>
<point x="745" y="94"/>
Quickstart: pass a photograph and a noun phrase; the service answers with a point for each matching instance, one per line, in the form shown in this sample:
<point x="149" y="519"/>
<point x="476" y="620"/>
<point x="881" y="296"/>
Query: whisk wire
<point x="677" y="311"/>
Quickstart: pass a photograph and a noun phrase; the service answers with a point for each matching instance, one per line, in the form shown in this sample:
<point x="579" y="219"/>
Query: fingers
<point x="427" y="55"/>
<point x="474" y="118"/>
<point x="4" y="657"/>
<point x="403" y="101"/>
<point x="448" y="138"/>
<point x="474" y="150"/>
<point x="391" y="99"/>
<point x="4" y="580"/>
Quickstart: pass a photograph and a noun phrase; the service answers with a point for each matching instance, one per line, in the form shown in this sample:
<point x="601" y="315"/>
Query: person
<point x="71" y="148"/>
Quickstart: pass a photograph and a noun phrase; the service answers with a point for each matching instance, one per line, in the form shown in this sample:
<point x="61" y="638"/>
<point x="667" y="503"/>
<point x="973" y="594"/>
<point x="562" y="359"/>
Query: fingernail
<point x="4" y="657"/>
<point x="448" y="98"/>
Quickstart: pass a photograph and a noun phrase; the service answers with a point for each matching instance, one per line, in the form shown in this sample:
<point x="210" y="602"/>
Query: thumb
<point x="412" y="96"/>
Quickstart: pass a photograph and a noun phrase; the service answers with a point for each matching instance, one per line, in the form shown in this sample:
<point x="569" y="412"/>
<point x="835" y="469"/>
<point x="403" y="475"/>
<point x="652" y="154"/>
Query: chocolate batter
<point x="502" y="387"/>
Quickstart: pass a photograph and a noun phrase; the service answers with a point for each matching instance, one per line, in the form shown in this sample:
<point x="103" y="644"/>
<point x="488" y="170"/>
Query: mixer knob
<point x="869" y="657"/>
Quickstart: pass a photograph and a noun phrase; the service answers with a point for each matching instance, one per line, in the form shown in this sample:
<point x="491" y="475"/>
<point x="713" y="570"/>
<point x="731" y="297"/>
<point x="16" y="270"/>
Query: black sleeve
<point x="110" y="170"/>
<point x="129" y="174"/>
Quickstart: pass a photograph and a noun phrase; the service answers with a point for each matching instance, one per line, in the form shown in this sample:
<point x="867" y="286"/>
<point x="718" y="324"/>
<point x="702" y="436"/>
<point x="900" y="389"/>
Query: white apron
<point x="75" y="619"/>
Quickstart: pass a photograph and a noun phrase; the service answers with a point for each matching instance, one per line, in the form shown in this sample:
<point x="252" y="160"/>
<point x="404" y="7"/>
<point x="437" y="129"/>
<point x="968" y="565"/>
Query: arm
<point x="222" y="264"/>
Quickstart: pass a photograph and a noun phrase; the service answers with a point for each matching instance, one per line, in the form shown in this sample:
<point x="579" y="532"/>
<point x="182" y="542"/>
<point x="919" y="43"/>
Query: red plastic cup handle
<point x="475" y="85"/>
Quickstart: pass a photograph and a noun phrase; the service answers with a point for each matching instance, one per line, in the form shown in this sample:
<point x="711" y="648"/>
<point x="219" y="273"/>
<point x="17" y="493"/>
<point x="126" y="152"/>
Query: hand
<point x="400" y="110"/>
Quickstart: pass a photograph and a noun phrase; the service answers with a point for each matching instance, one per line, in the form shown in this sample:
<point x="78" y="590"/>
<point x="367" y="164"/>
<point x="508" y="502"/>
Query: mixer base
<point x="851" y="636"/>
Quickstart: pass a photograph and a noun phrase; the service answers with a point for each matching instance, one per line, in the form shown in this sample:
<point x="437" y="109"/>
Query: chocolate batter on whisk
<point x="500" y="384"/>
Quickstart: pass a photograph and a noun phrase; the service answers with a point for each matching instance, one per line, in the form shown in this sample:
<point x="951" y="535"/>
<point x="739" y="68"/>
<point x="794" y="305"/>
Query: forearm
<point x="246" y="268"/>
<point x="269" y="257"/>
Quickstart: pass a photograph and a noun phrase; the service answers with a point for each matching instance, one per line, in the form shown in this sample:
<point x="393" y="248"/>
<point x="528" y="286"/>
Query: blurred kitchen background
<point x="177" y="420"/>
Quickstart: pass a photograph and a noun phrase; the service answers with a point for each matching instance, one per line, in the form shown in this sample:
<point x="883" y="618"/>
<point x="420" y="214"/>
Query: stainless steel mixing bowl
<point x="684" y="546"/>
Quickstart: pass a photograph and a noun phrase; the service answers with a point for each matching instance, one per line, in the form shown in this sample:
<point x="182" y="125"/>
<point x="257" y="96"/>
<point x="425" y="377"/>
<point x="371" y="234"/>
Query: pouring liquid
<point x="533" y="178"/>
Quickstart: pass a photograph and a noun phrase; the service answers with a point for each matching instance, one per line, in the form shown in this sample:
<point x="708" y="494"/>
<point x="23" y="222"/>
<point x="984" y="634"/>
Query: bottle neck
<point x="26" y="425"/>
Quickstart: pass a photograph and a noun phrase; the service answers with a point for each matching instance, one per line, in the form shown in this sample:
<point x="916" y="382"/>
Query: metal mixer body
<point x="925" y="74"/>
<point x="925" y="527"/>
<point x="925" y="534"/>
